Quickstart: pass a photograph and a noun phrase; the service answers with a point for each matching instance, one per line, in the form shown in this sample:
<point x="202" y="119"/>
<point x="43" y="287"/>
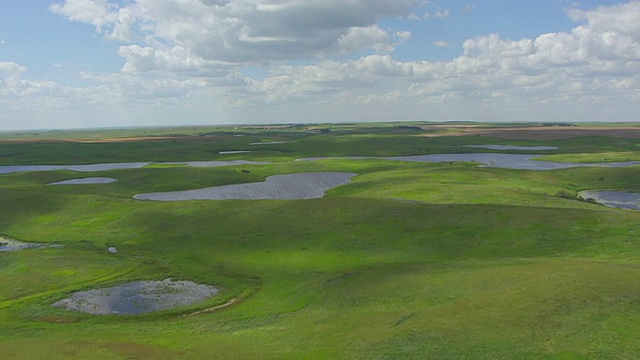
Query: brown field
<point x="533" y="133"/>
<point x="123" y="139"/>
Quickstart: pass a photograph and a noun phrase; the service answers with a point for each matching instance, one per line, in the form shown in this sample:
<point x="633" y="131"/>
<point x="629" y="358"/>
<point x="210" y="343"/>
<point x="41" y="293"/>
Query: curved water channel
<point x="10" y="169"/>
<point x="513" y="147"/>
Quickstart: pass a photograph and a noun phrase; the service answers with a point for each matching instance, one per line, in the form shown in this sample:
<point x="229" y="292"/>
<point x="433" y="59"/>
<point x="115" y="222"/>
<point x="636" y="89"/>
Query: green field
<point x="409" y="261"/>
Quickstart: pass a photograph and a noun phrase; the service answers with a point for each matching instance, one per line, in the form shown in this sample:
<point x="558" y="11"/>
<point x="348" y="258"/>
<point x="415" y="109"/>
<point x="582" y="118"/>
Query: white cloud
<point x="99" y="13"/>
<point x="585" y="66"/>
<point x="10" y="69"/>
<point x="188" y="54"/>
<point x="17" y="92"/>
<point x="441" y="43"/>
<point x="437" y="14"/>
<point x="620" y="18"/>
<point x="373" y="37"/>
<point x="383" y="65"/>
<point x="123" y="28"/>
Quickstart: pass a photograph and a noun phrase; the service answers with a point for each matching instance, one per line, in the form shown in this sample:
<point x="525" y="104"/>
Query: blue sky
<point x="97" y="63"/>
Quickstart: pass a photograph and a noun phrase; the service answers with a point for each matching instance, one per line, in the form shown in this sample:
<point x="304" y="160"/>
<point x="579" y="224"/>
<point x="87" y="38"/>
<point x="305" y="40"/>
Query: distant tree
<point x="407" y="127"/>
<point x="557" y="124"/>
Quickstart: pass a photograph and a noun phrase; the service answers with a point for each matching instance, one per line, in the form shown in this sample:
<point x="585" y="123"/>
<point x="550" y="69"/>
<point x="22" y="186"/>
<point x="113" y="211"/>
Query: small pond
<point x="91" y="180"/>
<point x="138" y="297"/>
<point x="271" y="142"/>
<point x="8" y="244"/>
<point x="233" y="152"/>
<point x="611" y="198"/>
<point x="278" y="187"/>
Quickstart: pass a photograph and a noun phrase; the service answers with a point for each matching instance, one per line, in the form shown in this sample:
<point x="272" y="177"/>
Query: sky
<point x="115" y="63"/>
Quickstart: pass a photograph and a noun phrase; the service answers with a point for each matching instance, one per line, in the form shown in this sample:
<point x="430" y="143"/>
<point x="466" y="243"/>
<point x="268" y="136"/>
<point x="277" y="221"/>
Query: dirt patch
<point x="216" y="308"/>
<point x="123" y="139"/>
<point x="138" y="297"/>
<point x="533" y="133"/>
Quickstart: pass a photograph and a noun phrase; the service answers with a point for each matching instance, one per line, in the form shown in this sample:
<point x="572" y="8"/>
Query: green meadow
<point x="409" y="261"/>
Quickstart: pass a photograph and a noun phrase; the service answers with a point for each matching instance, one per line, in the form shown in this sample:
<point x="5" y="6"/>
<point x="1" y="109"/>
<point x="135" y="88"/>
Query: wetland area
<point x="368" y="241"/>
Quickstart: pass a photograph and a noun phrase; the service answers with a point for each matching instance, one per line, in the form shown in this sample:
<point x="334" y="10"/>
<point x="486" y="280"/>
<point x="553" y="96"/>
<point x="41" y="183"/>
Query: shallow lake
<point x="138" y="297"/>
<point x="509" y="161"/>
<point x="278" y="187"/>
<point x="513" y="147"/>
<point x="118" y="166"/>
<point x="271" y="142"/>
<point x="611" y="198"/>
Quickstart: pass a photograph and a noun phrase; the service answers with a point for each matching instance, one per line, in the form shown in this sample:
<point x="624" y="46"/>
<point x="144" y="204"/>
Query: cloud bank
<point x="335" y="56"/>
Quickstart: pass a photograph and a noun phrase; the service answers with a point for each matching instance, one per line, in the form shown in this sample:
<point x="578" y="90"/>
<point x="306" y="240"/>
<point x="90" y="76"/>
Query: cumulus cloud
<point x="99" y="13"/>
<point x="594" y="63"/>
<point x="373" y="37"/>
<point x="620" y="18"/>
<point x="192" y="33"/>
<point x="437" y="14"/>
<point x="17" y="92"/>
<point x="383" y="65"/>
<point x="10" y="69"/>
<point x="175" y="51"/>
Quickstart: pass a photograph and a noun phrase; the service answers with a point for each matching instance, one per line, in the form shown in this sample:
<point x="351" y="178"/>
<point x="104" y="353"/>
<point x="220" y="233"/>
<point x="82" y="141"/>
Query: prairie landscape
<point x="394" y="259"/>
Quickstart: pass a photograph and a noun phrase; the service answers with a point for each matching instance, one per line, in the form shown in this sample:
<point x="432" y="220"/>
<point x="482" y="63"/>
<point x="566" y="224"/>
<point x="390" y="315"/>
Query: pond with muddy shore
<point x="138" y="297"/>
<point x="612" y="198"/>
